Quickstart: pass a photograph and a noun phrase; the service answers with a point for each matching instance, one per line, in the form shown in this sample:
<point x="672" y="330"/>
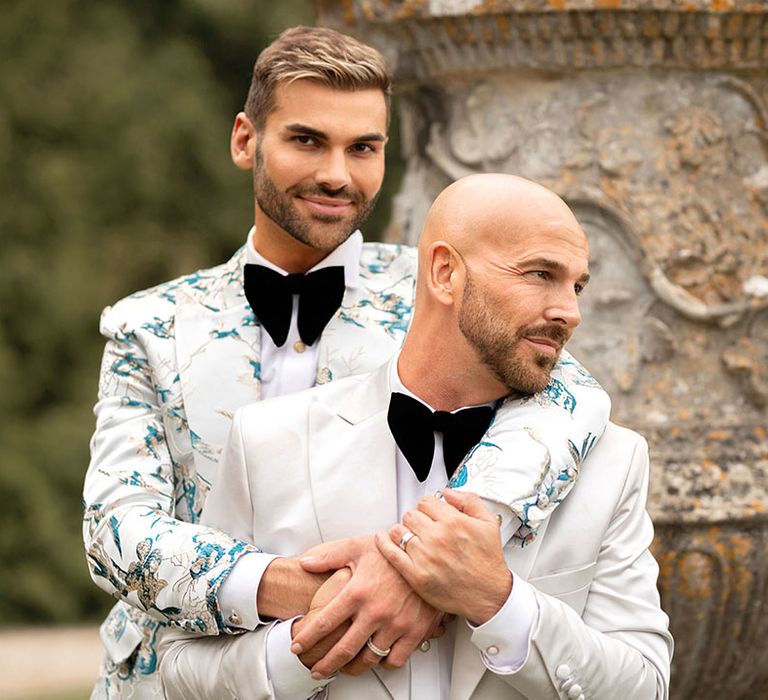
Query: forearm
<point x="286" y="589"/>
<point x="530" y="457"/>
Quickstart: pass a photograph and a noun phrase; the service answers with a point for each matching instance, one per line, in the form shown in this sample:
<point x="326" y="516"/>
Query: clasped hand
<point x="366" y="599"/>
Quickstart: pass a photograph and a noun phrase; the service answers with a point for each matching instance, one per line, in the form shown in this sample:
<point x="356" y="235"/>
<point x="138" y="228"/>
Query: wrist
<point x="286" y="590"/>
<point x="489" y="605"/>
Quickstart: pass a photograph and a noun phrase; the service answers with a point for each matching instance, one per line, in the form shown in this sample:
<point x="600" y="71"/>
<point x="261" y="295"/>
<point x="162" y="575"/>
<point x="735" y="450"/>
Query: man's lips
<point x="546" y="345"/>
<point x="326" y="205"/>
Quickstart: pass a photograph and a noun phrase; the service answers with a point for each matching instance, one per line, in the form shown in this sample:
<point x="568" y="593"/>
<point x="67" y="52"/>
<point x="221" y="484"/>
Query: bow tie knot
<point x="413" y="425"/>
<point x="442" y="421"/>
<point x="271" y="293"/>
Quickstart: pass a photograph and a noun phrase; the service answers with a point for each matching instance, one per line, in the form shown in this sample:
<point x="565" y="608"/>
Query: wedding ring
<point x="425" y="646"/>
<point x="405" y="539"/>
<point x="379" y="652"/>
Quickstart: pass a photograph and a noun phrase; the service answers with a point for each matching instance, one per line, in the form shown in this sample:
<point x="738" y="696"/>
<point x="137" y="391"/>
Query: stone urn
<point x="649" y="118"/>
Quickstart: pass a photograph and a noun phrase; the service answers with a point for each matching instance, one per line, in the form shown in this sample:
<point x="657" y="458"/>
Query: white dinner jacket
<point x="320" y="465"/>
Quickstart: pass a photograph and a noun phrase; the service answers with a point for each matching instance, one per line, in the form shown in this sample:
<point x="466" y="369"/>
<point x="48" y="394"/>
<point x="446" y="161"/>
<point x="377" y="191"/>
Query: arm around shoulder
<point x="619" y="646"/>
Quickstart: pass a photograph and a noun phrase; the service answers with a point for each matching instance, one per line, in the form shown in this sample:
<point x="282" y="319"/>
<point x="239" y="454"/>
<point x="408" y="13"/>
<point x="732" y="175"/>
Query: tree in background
<point x="114" y="176"/>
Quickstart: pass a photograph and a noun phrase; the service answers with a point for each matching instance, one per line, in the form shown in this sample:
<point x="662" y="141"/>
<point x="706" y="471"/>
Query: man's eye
<point x="578" y="288"/>
<point x="363" y="148"/>
<point x="541" y="274"/>
<point x="304" y="140"/>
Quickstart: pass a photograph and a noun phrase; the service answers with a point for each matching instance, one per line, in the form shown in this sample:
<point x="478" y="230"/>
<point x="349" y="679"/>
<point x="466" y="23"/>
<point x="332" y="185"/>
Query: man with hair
<point x="575" y="614"/>
<point x="304" y="302"/>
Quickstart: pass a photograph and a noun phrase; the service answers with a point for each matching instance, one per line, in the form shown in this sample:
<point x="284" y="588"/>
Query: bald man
<point x="574" y="614"/>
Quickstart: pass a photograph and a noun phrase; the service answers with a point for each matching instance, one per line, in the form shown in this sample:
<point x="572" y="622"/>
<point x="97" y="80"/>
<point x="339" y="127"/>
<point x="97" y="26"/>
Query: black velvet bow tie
<point x="413" y="426"/>
<point x="270" y="295"/>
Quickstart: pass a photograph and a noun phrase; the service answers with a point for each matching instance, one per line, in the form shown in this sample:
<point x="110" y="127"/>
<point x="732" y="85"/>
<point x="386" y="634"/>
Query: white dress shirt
<point x="285" y="369"/>
<point x="502" y="641"/>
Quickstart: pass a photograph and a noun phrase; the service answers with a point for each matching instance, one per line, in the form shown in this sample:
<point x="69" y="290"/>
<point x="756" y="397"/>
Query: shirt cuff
<point x="291" y="679"/>
<point x="237" y="593"/>
<point x="505" y="639"/>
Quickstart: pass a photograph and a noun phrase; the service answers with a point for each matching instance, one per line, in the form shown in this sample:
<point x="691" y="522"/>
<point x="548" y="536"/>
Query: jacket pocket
<point x="119" y="634"/>
<point x="570" y="586"/>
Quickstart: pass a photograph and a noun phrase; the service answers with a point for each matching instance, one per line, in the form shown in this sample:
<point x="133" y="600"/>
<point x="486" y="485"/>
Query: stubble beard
<point x="329" y="231"/>
<point x="500" y="349"/>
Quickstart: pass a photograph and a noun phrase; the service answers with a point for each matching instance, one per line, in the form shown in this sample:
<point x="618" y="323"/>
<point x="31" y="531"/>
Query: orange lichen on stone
<point x="557" y="4"/>
<point x="608" y="4"/>
<point x="758" y="506"/>
<point x="721" y="5"/>
<point x="718" y="435"/>
<point x="695" y="575"/>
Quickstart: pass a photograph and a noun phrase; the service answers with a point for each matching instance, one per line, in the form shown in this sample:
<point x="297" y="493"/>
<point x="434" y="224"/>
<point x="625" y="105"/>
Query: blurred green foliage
<point x="114" y="176"/>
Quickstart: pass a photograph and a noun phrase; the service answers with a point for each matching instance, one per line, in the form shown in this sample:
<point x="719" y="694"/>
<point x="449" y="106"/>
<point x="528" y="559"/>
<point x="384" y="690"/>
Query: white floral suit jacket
<point x="180" y="359"/>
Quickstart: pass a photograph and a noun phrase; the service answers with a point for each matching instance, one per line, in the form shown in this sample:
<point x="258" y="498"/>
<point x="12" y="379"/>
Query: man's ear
<point x="242" y="143"/>
<point x="445" y="273"/>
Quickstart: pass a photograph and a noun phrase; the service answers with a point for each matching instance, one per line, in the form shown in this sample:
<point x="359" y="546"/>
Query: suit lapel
<point x="352" y="460"/>
<point x="218" y="354"/>
<point x="468" y="666"/>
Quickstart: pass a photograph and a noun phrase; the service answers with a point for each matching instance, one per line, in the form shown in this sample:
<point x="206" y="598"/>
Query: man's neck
<point x="446" y="385"/>
<point x="278" y="246"/>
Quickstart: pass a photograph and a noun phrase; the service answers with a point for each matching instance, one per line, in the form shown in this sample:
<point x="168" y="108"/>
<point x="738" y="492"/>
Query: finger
<point x="331" y="555"/>
<point x="401" y="651"/>
<point x="417" y="522"/>
<point x="340" y="609"/>
<point x="435" y="508"/>
<point x="469" y="504"/>
<point x="396" y="533"/>
<point x="348" y="647"/>
<point x="367" y="659"/>
<point x="394" y="555"/>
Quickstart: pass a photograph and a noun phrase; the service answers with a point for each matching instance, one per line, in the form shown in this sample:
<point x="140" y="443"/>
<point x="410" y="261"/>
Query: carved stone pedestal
<point x="648" y="117"/>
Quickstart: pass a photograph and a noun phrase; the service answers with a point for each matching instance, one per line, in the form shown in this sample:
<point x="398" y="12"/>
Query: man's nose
<point x="333" y="172"/>
<point x="564" y="309"/>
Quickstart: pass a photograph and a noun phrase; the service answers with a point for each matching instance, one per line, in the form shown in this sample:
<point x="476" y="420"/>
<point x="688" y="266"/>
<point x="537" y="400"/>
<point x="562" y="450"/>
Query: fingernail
<point x="317" y="676"/>
<point x="307" y="560"/>
<point x="296" y="648"/>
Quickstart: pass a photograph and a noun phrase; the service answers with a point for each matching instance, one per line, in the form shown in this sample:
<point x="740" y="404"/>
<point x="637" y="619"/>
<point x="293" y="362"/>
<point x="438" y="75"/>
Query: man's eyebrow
<point x="309" y="131"/>
<point x="306" y="130"/>
<point x="554" y="266"/>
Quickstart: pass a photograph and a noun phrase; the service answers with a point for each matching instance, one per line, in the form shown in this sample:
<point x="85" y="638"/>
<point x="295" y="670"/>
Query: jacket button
<point x="574" y="691"/>
<point x="563" y="671"/>
<point x="492" y="650"/>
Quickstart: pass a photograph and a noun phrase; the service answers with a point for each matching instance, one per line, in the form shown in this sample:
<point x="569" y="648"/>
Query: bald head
<point x="488" y="209"/>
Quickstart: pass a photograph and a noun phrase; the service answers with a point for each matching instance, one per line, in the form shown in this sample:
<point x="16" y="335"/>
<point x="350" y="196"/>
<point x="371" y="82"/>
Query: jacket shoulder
<point x="158" y="304"/>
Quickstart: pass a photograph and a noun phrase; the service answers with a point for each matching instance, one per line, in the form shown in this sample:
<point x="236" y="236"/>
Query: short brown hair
<point x="314" y="53"/>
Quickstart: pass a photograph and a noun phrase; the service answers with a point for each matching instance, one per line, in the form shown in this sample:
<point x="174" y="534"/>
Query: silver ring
<point x="405" y="539"/>
<point x="425" y="646"/>
<point x="381" y="653"/>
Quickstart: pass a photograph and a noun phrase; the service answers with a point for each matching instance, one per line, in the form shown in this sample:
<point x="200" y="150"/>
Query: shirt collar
<point x="347" y="255"/>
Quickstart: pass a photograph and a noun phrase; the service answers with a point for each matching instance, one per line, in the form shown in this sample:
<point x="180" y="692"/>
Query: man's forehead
<point x="310" y="99"/>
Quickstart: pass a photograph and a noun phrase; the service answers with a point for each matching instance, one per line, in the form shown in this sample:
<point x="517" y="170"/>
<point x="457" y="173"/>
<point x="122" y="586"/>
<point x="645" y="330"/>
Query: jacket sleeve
<point x="194" y="668"/>
<point x="530" y="457"/>
<point x="222" y="667"/>
<point x="142" y="539"/>
<point x="620" y="646"/>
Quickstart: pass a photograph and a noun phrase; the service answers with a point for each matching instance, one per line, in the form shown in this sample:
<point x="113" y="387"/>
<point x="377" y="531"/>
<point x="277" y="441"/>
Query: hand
<point x="455" y="560"/>
<point x="325" y="594"/>
<point x="380" y="604"/>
